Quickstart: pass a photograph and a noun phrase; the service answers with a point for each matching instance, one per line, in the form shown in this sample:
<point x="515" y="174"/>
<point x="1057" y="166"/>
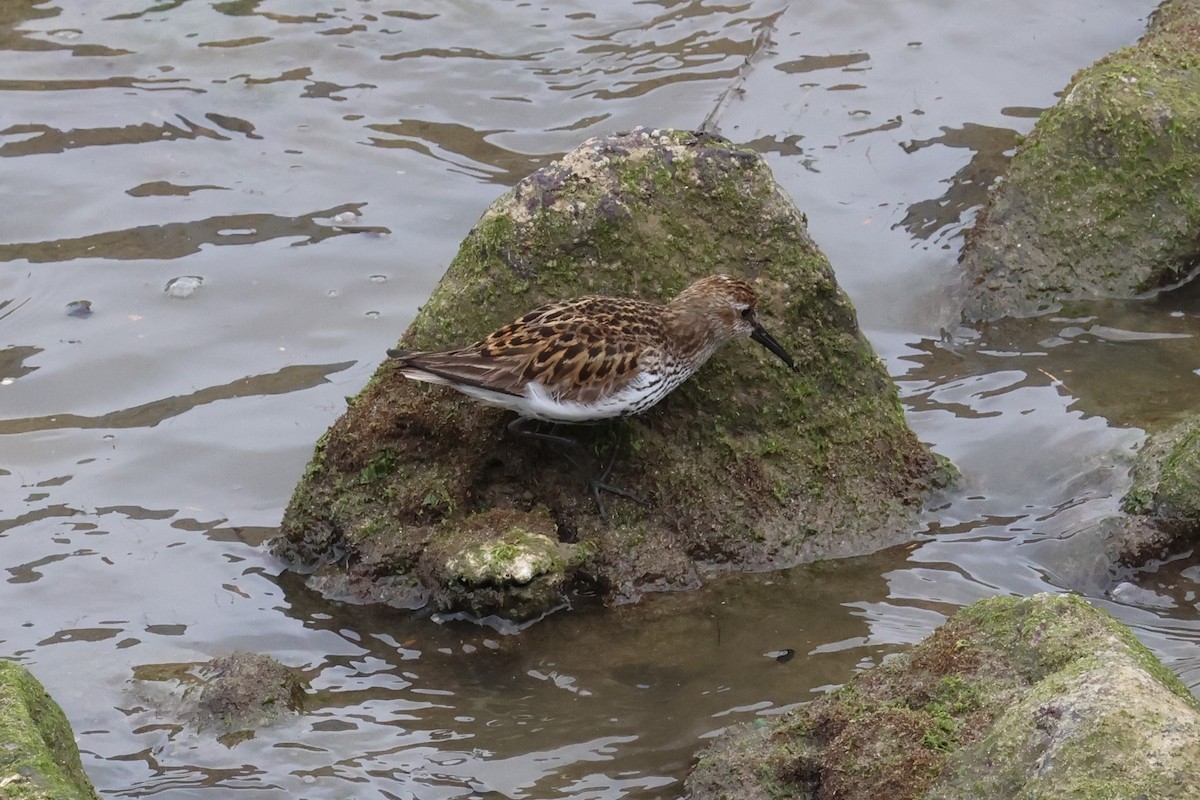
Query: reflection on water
<point x="180" y="239"/>
<point x="990" y="150"/>
<point x="151" y="444"/>
<point x="147" y="415"/>
<point x="462" y="149"/>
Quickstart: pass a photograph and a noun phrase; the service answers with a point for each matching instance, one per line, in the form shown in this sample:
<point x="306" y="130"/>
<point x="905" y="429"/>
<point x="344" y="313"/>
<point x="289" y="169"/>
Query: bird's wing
<point x="578" y="350"/>
<point x="456" y="367"/>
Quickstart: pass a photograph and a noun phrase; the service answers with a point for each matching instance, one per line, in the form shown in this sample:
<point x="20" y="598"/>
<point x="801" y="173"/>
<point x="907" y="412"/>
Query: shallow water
<point x="315" y="167"/>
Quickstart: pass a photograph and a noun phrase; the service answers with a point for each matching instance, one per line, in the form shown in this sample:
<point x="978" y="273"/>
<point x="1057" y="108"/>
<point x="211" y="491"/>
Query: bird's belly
<point x="637" y="396"/>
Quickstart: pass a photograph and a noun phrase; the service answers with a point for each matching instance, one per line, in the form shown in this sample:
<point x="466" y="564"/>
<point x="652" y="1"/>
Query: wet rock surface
<point x="1013" y="697"/>
<point x="1164" y="501"/>
<point x="747" y="466"/>
<point x="38" y="756"/>
<point x="1101" y="199"/>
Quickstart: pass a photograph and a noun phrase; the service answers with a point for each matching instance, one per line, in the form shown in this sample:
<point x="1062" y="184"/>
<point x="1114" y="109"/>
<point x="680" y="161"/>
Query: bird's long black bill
<point x="768" y="341"/>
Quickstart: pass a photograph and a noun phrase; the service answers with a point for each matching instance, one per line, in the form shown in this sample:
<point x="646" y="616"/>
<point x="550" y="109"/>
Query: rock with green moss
<point x="38" y="756"/>
<point x="499" y="563"/>
<point x="515" y="556"/>
<point x="1164" y="501"/>
<point x="1166" y="477"/>
<point x="747" y="466"/>
<point x="1042" y="697"/>
<point x="1103" y="197"/>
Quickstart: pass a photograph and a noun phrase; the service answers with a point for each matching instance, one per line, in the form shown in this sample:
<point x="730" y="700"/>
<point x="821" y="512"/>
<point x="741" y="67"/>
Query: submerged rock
<point x="38" y="756"/>
<point x="228" y="697"/>
<point x="1040" y="697"/>
<point x="1103" y="197"/>
<point x="418" y="495"/>
<point x="242" y="691"/>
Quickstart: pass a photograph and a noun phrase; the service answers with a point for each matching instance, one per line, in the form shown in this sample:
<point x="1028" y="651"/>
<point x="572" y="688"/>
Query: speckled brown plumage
<point x="597" y="357"/>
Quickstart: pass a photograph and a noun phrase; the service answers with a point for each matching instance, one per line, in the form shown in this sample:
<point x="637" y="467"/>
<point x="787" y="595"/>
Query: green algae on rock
<point x="1164" y="501"/>
<point x="1166" y="477"/>
<point x="747" y="466"/>
<point x="499" y="563"/>
<point x="38" y="756"/>
<point x="1103" y="197"/>
<point x="1040" y="697"/>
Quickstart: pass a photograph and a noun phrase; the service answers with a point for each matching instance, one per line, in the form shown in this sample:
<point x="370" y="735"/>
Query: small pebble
<point x="79" y="308"/>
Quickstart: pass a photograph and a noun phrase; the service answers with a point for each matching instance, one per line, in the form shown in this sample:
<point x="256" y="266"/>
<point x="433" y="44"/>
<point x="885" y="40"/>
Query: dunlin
<point x="597" y="357"/>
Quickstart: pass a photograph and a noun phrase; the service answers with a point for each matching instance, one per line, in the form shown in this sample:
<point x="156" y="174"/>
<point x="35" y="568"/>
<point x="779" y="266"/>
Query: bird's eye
<point x="747" y="313"/>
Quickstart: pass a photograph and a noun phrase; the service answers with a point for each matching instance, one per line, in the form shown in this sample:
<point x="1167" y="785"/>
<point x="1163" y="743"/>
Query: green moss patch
<point x="1164" y="500"/>
<point x="1013" y="697"/>
<point x="515" y="556"/>
<point x="38" y="757"/>
<point x="1166" y="476"/>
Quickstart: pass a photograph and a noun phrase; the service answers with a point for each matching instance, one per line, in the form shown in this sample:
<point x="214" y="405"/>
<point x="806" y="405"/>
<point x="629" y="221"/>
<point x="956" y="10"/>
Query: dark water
<point x="307" y="172"/>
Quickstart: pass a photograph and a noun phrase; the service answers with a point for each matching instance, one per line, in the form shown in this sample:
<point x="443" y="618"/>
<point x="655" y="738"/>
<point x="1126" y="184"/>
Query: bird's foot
<point x="598" y="486"/>
<point x="599" y="483"/>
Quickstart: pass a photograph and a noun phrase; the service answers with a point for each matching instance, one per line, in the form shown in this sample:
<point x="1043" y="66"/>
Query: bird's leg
<point x="579" y="457"/>
<point x="597" y="476"/>
<point x="522" y="426"/>
<point x="599" y="483"/>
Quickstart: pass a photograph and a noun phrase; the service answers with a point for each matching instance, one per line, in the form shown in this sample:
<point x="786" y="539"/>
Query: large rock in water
<point x="420" y="495"/>
<point x="1103" y="197"/>
<point x="1042" y="697"/>
<point x="38" y="756"/>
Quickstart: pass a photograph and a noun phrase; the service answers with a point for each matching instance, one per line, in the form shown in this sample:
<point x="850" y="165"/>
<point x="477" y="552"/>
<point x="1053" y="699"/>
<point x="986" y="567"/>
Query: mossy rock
<point x="1103" y="197"/>
<point x="499" y="563"/>
<point x="38" y="756"/>
<point x="1040" y="697"/>
<point x="1166" y="477"/>
<point x="1163" y="503"/>
<point x="747" y="466"/>
<point x="516" y="556"/>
